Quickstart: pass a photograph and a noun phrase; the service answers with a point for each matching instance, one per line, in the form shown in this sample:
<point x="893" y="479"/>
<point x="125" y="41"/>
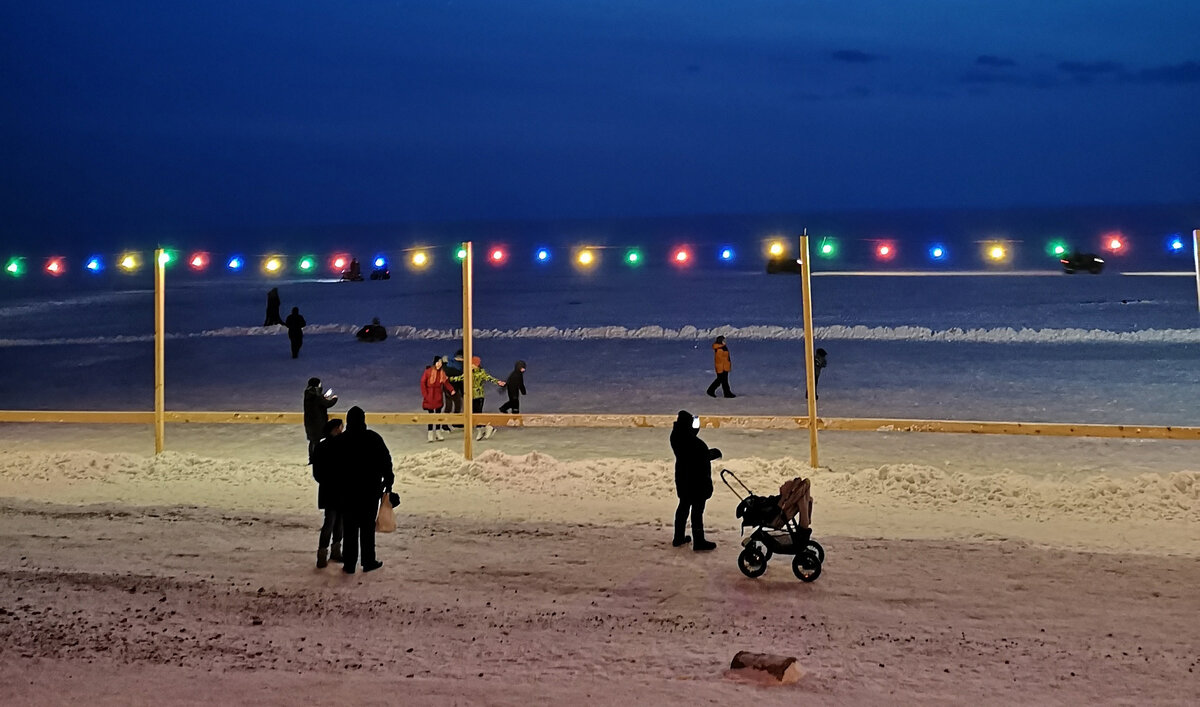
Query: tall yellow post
<point x="1196" y="258"/>
<point x="810" y="380"/>
<point x="467" y="334"/>
<point x="160" y="272"/>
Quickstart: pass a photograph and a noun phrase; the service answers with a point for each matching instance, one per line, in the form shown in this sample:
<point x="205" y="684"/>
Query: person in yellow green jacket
<point x="479" y="378"/>
<point x="722" y="363"/>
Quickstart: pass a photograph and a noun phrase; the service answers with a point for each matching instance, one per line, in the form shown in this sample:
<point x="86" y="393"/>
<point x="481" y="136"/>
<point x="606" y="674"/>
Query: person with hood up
<point x="515" y="385"/>
<point x="434" y="385"/>
<point x="295" y="325"/>
<point x="693" y="480"/>
<point x="819" y="362"/>
<point x="316" y="413"/>
<point x="372" y="332"/>
<point x="366" y="468"/>
<point x="479" y="378"/>
<point x="327" y="474"/>
<point x="722" y="363"/>
<point x="453" y="401"/>
<point x="273" y="308"/>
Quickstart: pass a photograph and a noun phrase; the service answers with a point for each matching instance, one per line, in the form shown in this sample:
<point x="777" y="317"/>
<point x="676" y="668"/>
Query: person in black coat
<point x="453" y="402"/>
<point x="316" y="413"/>
<point x="819" y="363"/>
<point x="295" y="325"/>
<point x="366" y="466"/>
<point x="693" y="480"/>
<point x="327" y="474"/>
<point x="515" y="385"/>
<point x="273" y="308"/>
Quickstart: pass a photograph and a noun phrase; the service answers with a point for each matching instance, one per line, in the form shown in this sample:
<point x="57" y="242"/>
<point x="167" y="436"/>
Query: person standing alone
<point x="722" y="364"/>
<point x="295" y="325"/>
<point x="273" y="308"/>
<point x="366" y="466"/>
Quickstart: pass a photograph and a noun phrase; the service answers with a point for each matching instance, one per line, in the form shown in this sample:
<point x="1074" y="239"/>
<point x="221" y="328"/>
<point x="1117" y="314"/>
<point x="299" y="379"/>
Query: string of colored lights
<point x="584" y="256"/>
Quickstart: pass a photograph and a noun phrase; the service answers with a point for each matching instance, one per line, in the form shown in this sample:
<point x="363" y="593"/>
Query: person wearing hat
<point x="693" y="480"/>
<point x="515" y="385"/>
<point x="327" y="473"/>
<point x="316" y="413"/>
<point x="434" y="384"/>
<point x="366" y="474"/>
<point x="295" y="325"/>
<point x="722" y="364"/>
<point x="479" y="378"/>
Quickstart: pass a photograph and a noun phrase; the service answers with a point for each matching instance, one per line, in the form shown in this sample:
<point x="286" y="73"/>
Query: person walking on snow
<point x="515" y="385"/>
<point x="327" y="473"/>
<point x="366" y="467"/>
<point x="434" y="385"/>
<point x="316" y="413"/>
<point x="479" y="378"/>
<point x="295" y="325"/>
<point x="693" y="480"/>
<point x="722" y="363"/>
<point x="819" y="363"/>
<point x="273" y="308"/>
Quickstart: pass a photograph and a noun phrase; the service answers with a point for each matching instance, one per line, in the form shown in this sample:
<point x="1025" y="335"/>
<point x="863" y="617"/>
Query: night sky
<point x="136" y="117"/>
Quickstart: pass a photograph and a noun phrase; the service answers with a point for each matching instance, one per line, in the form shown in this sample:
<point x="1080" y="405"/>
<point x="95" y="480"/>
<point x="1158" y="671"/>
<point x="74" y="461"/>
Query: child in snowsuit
<point x="434" y="384"/>
<point x="722" y="364"/>
<point x="515" y="385"/>
<point x="479" y="378"/>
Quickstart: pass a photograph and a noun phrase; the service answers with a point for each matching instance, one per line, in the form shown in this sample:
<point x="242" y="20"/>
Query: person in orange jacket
<point x="722" y="363"/>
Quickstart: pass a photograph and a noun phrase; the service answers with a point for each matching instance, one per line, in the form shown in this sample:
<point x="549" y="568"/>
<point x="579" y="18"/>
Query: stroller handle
<point x="727" y="473"/>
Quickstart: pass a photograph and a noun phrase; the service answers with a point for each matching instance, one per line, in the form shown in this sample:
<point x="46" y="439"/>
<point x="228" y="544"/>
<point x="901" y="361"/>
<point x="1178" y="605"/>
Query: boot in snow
<point x="430" y="435"/>
<point x="437" y="434"/>
<point x="488" y="432"/>
<point x="335" y="552"/>
<point x="478" y="434"/>
<point x="322" y="558"/>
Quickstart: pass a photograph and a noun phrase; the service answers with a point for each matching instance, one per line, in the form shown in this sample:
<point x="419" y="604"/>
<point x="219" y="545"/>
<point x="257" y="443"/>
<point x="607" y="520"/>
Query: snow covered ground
<point x="960" y="567"/>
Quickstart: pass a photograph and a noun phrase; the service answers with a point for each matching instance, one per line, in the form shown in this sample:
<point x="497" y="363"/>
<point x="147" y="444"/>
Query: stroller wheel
<point x="752" y="563"/>
<point x="764" y="551"/>
<point x="814" y="546"/>
<point x="806" y="566"/>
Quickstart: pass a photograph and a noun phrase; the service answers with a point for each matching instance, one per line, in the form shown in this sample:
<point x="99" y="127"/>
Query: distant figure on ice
<point x="434" y="385"/>
<point x="515" y="385"/>
<point x="327" y="473"/>
<point x="366" y="467"/>
<point x="316" y="413"/>
<point x="453" y="401"/>
<point x="722" y="364"/>
<point x="372" y="332"/>
<point x="295" y="325"/>
<point x="819" y="363"/>
<point x="479" y="378"/>
<point x="693" y="480"/>
<point x="354" y="273"/>
<point x="273" y="308"/>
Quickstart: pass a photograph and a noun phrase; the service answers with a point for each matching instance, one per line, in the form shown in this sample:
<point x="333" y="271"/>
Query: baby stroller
<point x="781" y="527"/>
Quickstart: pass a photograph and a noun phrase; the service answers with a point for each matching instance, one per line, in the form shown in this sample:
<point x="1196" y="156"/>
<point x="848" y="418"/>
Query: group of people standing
<point x="353" y="470"/>
<point x="442" y="391"/>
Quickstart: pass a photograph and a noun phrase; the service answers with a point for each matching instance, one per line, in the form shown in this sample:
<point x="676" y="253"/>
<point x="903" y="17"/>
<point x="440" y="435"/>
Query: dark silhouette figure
<point x="693" y="480"/>
<point x="454" y="400"/>
<point x="295" y="325"/>
<point x="354" y="272"/>
<point x="366" y="473"/>
<point x="327" y="474"/>
<point x="316" y="413"/>
<point x="515" y="385"/>
<point x="372" y="332"/>
<point x="722" y="364"/>
<point x="819" y="363"/>
<point x="273" y="308"/>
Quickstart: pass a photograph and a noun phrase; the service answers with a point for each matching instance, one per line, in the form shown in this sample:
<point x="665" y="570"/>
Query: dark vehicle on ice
<point x="1081" y="261"/>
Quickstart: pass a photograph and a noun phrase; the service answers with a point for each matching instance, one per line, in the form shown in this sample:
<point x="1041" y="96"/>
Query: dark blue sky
<point x="123" y="118"/>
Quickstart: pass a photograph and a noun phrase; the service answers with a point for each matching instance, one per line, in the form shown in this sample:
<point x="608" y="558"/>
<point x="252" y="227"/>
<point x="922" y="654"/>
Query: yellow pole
<point x="467" y="334"/>
<point x="810" y="380"/>
<point x="160" y="271"/>
<point x="1196" y="258"/>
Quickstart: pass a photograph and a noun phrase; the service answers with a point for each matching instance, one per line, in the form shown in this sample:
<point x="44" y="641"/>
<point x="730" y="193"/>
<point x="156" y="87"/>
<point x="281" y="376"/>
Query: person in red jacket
<point x="722" y="364"/>
<point x="434" y="384"/>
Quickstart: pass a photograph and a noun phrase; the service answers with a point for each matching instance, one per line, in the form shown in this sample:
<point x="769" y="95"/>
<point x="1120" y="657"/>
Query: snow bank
<point x="998" y="335"/>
